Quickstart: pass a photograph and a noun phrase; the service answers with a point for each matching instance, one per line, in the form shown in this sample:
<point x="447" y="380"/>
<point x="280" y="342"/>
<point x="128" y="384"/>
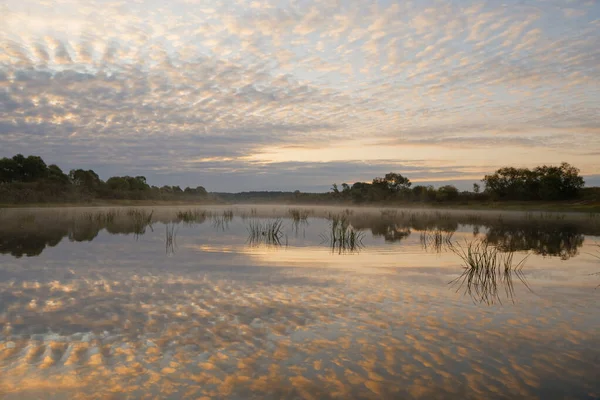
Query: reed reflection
<point x="486" y="271"/>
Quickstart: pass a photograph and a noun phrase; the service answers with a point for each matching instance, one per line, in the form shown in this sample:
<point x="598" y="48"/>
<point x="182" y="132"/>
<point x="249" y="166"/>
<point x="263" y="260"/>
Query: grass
<point x="436" y="240"/>
<point x="191" y="216"/>
<point x="100" y="217"/>
<point x="141" y="219"/>
<point x="596" y="255"/>
<point x="473" y="218"/>
<point x="342" y="237"/>
<point x="170" y="238"/>
<point x="299" y="218"/>
<point x="265" y="232"/>
<point x="222" y="221"/>
<point x="390" y="214"/>
<point x="486" y="271"/>
<point x="299" y="215"/>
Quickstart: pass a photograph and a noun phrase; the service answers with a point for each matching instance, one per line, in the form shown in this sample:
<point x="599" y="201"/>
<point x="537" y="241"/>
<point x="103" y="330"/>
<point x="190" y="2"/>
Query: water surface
<point x="173" y="303"/>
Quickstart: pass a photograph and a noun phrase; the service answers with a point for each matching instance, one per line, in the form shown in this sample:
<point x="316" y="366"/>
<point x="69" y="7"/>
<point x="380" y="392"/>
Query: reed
<point x="473" y="218"/>
<point x="100" y="217"/>
<point x="298" y="215"/>
<point x="265" y="232"/>
<point x="389" y="214"/>
<point x="342" y="237"/>
<point x="141" y="219"/>
<point x="221" y="221"/>
<point x="436" y="240"/>
<point x="191" y="216"/>
<point x="486" y="270"/>
<point x="596" y="255"/>
<point x="170" y="238"/>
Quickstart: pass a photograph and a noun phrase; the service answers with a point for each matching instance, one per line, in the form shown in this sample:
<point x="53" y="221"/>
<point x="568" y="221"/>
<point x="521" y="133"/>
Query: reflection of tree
<point x="85" y="232"/>
<point x="391" y="231"/>
<point x="29" y="243"/>
<point x="30" y="236"/>
<point x="430" y="224"/>
<point x="562" y="241"/>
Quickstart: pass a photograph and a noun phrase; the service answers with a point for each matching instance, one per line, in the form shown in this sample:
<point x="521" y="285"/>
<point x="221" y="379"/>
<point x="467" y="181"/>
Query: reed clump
<point x="221" y="221"/>
<point x="342" y="237"/>
<point x="298" y="215"/>
<point x="170" y="238"/>
<point x="191" y="216"/>
<point x="486" y="271"/>
<point x="100" y="217"/>
<point x="436" y="240"/>
<point x="141" y="219"/>
<point x="265" y="232"/>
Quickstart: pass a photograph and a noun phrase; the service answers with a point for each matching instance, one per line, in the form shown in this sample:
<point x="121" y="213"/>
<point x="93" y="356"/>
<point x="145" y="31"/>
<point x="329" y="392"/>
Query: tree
<point x="33" y="168"/>
<point x="85" y="179"/>
<point x="424" y="193"/>
<point x="397" y="182"/>
<point x="55" y="174"/>
<point x="201" y="191"/>
<point x="542" y="183"/>
<point x="22" y="169"/>
<point x="447" y="193"/>
<point x="392" y="182"/>
<point x="137" y="183"/>
<point x="476" y="188"/>
<point x="118" y="183"/>
<point x="8" y="170"/>
<point x="360" y="191"/>
<point x="558" y="183"/>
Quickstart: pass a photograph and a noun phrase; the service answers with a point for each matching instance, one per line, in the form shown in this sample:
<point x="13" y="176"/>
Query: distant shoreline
<point x="560" y="206"/>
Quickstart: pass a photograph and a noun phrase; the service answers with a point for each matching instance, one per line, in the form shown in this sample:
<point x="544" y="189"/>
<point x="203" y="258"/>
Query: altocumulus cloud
<point x="240" y="95"/>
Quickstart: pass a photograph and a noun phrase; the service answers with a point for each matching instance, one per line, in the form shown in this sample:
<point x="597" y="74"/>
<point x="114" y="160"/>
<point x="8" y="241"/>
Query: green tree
<point x="22" y="169"/>
<point x="392" y="182"/>
<point x="558" y="182"/>
<point x="542" y="183"/>
<point x="8" y="170"/>
<point x="118" y="183"/>
<point x="55" y="174"/>
<point x="85" y="179"/>
<point x="420" y="192"/>
<point x="447" y="193"/>
<point x="397" y="182"/>
<point x="33" y="168"/>
<point x="201" y="191"/>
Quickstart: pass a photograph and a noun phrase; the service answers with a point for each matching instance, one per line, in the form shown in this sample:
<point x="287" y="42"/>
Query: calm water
<point x="101" y="303"/>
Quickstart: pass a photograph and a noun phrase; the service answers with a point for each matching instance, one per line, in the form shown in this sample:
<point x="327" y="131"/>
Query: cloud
<point x="210" y="80"/>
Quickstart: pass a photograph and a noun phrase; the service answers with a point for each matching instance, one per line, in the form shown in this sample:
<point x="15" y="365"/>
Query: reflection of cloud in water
<point x="375" y="260"/>
<point x="359" y="336"/>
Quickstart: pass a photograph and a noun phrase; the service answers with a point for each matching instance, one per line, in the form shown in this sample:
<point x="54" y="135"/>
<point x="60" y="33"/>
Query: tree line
<point x="543" y="183"/>
<point x="30" y="179"/>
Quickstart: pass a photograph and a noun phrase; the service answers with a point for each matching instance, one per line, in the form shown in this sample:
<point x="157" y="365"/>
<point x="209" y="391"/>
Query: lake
<point x="270" y="302"/>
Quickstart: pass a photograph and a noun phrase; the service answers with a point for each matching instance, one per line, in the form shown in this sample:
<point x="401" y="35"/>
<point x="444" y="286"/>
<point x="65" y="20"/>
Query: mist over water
<point x="295" y="302"/>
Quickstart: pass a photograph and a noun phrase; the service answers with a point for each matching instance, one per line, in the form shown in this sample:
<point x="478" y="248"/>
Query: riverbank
<point x="565" y="206"/>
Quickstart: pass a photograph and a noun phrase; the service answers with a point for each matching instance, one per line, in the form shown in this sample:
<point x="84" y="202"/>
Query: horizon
<point x="284" y="96"/>
<point x="461" y="185"/>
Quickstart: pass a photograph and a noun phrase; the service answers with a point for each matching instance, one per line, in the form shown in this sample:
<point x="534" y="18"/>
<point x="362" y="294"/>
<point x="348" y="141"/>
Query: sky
<point x="286" y="95"/>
